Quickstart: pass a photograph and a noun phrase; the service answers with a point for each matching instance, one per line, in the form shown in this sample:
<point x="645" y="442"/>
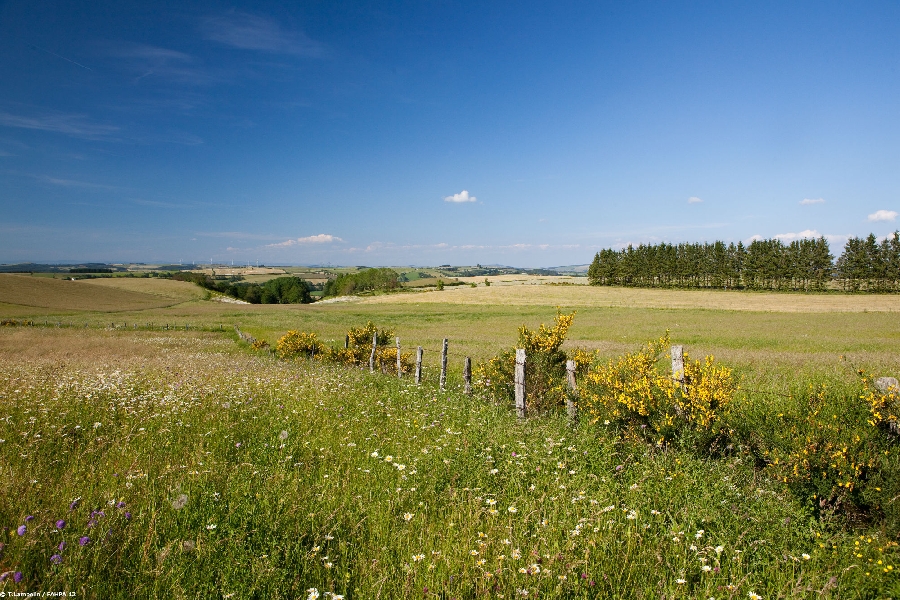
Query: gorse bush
<point x="834" y="448"/>
<point x="633" y="392"/>
<point x="298" y="343"/>
<point x="357" y="353"/>
<point x="545" y="374"/>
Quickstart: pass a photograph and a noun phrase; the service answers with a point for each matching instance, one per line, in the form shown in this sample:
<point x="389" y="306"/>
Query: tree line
<point x="280" y="290"/>
<point x="802" y="265"/>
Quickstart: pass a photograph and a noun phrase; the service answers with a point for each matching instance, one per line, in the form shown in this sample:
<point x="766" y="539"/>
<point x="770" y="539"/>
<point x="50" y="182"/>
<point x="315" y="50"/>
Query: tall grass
<point x="208" y="474"/>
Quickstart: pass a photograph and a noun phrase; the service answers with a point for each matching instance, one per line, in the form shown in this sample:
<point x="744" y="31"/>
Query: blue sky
<point x="520" y="133"/>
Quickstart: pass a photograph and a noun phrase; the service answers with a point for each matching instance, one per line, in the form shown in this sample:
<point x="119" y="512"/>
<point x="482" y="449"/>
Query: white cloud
<point x="322" y="238"/>
<point x="808" y="201"/>
<point x="790" y="237"/>
<point x="463" y="196"/>
<point x="694" y="200"/>
<point x="883" y="215"/>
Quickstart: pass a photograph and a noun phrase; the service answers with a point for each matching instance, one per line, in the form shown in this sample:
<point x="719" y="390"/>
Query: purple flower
<point x="56" y="559"/>
<point x="17" y="576"/>
<point x="237" y="445"/>
<point x="127" y="516"/>
<point x="75" y="503"/>
<point x="619" y="467"/>
<point x="21" y="530"/>
<point x="92" y="522"/>
<point x="120" y="504"/>
<point x="514" y="454"/>
<point x="62" y="546"/>
<point x="84" y="541"/>
<point x="29" y="518"/>
<point x="4" y="576"/>
<point x="60" y="524"/>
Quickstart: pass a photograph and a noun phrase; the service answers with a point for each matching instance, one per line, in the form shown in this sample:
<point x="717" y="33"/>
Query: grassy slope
<point x="261" y="479"/>
<point x="107" y="295"/>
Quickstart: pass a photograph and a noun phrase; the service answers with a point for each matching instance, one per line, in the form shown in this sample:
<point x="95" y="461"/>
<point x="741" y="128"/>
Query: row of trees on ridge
<point x="805" y="265"/>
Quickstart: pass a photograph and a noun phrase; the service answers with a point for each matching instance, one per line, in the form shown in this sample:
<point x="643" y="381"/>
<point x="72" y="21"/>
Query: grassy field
<point x="202" y="469"/>
<point x="93" y="295"/>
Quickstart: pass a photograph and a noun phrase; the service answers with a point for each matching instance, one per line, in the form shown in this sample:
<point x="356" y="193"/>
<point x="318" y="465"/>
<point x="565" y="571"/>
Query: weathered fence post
<point x="399" y="366"/>
<point x="444" y="364"/>
<point x="467" y="376"/>
<point x="418" y="365"/>
<point x="678" y="363"/>
<point x="372" y="356"/>
<point x="520" y="383"/>
<point x="572" y="396"/>
<point x="346" y="342"/>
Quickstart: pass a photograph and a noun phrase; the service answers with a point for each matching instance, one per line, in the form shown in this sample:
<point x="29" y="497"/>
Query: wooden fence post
<point x="443" y="381"/>
<point x="572" y="396"/>
<point x="520" y="383"/>
<point x="678" y="363"/>
<point x="399" y="366"/>
<point x="372" y="356"/>
<point x="467" y="376"/>
<point x="418" y="365"/>
<point x="346" y="342"/>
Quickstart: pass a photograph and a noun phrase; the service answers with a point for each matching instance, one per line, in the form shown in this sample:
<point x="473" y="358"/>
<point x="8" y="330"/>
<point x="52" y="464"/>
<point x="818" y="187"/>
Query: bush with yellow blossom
<point x="545" y="374"/>
<point x="634" y="392"/>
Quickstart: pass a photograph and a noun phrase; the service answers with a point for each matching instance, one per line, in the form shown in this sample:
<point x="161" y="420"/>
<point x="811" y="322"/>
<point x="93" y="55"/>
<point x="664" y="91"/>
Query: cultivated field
<point x="154" y="463"/>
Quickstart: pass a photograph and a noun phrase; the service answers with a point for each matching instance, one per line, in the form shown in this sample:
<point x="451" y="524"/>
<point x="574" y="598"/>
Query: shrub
<point x="632" y="392"/>
<point x="545" y="373"/>
<point x="836" y="449"/>
<point x="298" y="343"/>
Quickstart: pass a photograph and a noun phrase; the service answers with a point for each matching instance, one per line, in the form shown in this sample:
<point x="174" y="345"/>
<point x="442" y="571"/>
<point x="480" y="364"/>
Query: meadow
<point x="155" y="463"/>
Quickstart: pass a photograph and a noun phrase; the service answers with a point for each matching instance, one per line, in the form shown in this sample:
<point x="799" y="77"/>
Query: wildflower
<point x="654" y="512"/>
<point x="699" y="534"/>
<point x="480" y="562"/>
<point x="706" y="568"/>
<point x="56" y="559"/>
<point x="211" y="527"/>
<point x="127" y="516"/>
<point x="179" y="502"/>
<point x="17" y="576"/>
<point x="408" y="516"/>
<point x="60" y="524"/>
<point x="516" y="553"/>
<point x="74" y="503"/>
<point x="328" y="565"/>
<point x="374" y="454"/>
<point x="473" y="552"/>
<point x="62" y="546"/>
<point x="754" y="596"/>
<point x="494" y="471"/>
<point x="29" y="518"/>
<point x="312" y="594"/>
<point x="719" y="549"/>
<point x="490" y="502"/>
<point x="418" y="557"/>
<point x="680" y="581"/>
<point x="805" y="556"/>
<point x="21" y="529"/>
<point x="388" y="458"/>
<point x="512" y="509"/>
<point x="283" y="435"/>
<point x="631" y="515"/>
<point x="84" y="541"/>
